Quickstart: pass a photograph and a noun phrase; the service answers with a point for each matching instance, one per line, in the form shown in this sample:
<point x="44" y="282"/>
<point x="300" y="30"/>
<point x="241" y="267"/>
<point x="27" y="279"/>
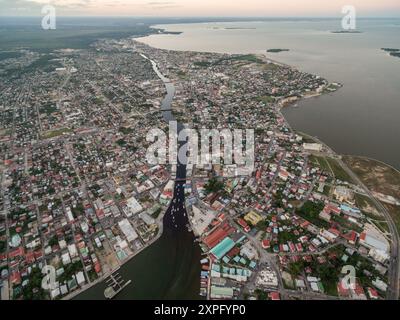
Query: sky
<point x="198" y="8"/>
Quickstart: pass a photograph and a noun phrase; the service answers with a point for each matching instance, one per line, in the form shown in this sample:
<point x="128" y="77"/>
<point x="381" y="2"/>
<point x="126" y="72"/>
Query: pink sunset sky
<point x="267" y="8"/>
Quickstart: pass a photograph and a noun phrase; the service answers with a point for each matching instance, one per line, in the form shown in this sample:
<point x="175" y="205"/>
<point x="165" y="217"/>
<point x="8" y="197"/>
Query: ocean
<point x="362" y="118"/>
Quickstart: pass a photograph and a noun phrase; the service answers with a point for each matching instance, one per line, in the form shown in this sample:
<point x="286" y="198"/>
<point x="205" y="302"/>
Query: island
<point x="392" y="52"/>
<point x="276" y="50"/>
<point x="346" y="31"/>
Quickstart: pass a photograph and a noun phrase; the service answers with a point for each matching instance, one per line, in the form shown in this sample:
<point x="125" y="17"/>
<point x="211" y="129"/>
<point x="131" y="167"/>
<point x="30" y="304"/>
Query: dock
<point x="115" y="284"/>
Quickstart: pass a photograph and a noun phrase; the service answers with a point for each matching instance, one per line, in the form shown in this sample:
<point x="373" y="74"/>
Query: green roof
<point x="223" y="248"/>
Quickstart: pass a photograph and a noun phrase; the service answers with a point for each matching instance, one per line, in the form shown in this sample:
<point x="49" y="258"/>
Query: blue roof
<point x="349" y="209"/>
<point x="223" y="248"/>
<point x="216" y="267"/>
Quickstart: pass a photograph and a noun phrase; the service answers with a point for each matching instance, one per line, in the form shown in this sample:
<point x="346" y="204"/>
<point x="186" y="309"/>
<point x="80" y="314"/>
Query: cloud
<point x="163" y="4"/>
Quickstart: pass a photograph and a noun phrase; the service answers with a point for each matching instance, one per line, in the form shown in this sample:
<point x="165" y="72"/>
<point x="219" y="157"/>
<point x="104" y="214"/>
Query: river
<point x="170" y="268"/>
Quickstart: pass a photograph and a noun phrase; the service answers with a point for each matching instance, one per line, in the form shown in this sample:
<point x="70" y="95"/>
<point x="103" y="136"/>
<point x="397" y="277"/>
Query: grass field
<point x="55" y="133"/>
<point x="322" y="163"/>
<point x="338" y="171"/>
<point x="376" y="175"/>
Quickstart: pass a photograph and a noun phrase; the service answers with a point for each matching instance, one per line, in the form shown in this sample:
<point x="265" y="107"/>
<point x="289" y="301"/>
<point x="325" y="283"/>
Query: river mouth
<point x="168" y="270"/>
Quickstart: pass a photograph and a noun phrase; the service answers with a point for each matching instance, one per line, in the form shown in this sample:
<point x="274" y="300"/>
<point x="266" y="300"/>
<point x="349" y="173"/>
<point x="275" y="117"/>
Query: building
<point x="343" y="194"/>
<point x="371" y="242"/>
<point x="221" y="292"/>
<point x="133" y="206"/>
<point x="267" y="278"/>
<point x="253" y="218"/>
<point x="317" y="147"/>
<point x="128" y="230"/>
<point x="220" y="250"/>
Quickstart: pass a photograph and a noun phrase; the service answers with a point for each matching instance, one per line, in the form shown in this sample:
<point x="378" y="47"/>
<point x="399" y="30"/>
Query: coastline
<point x="290" y="103"/>
<point x="122" y="263"/>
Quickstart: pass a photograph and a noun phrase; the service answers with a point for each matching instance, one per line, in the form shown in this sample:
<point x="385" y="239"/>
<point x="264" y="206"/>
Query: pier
<point x="115" y="284"/>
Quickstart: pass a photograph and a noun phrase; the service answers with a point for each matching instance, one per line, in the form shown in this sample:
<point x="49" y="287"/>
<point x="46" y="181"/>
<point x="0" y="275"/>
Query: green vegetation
<point x="45" y="63"/>
<point x="156" y="213"/>
<point x="262" y="225"/>
<point x="364" y="202"/>
<point x="247" y="57"/>
<point x="260" y="294"/>
<point x="286" y="236"/>
<point x="121" y="142"/>
<point x="33" y="290"/>
<point x="202" y="64"/>
<point x="48" y="108"/>
<point x="70" y="270"/>
<point x="322" y="163"/>
<point x="377" y="176"/>
<point x="393" y="52"/>
<point x="338" y="171"/>
<point x="296" y="268"/>
<point x="394" y="213"/>
<point x="56" y="133"/>
<point x="266" y="99"/>
<point x="3" y="246"/>
<point x="276" y="50"/>
<point x="213" y="185"/>
<point x="329" y="277"/>
<point x="9" y="54"/>
<point x="53" y="241"/>
<point x="126" y="130"/>
<point x="310" y="211"/>
<point x="74" y="36"/>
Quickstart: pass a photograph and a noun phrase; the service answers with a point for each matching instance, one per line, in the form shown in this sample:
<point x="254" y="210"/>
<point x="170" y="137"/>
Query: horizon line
<point x="203" y="17"/>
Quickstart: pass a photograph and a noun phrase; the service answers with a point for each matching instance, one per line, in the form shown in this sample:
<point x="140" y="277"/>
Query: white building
<point x="128" y="230"/>
<point x="133" y="206"/>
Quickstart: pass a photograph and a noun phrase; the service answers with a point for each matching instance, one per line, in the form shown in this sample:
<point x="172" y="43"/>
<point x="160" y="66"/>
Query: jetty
<point x="115" y="284"/>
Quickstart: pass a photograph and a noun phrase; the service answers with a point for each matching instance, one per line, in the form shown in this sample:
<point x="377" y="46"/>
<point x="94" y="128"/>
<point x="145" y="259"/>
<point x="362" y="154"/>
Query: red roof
<point x="373" y="294"/>
<point x="244" y="225"/>
<point x="266" y="244"/>
<point x="274" y="296"/>
<point x="30" y="257"/>
<point x="358" y="289"/>
<point x="97" y="267"/>
<point x="38" y="254"/>
<point x="218" y="235"/>
<point x="334" y="231"/>
<point x="15" y="277"/>
<point x="342" y="290"/>
<point x="234" y="251"/>
<point x="351" y="236"/>
<point x="16" y="253"/>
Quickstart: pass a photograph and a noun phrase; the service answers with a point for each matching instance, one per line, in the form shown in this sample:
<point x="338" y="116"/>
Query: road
<point x="393" y="273"/>
<point x="394" y="268"/>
